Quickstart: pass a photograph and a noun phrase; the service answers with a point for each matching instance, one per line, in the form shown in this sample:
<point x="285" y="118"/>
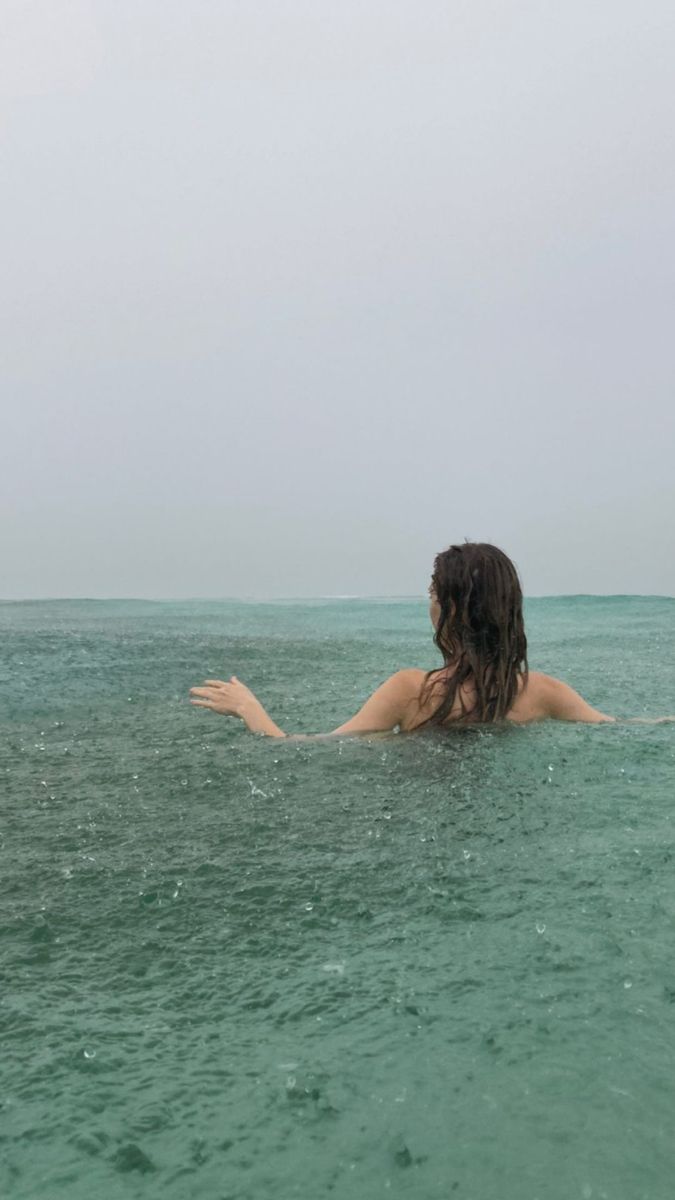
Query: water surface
<point x="430" y="966"/>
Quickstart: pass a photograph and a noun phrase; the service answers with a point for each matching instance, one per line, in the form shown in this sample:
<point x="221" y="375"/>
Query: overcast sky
<point x="297" y="292"/>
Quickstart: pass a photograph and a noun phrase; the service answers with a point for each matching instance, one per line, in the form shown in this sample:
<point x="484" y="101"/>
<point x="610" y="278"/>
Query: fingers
<point x="217" y="695"/>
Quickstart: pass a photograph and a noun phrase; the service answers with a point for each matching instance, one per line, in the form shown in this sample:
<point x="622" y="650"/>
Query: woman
<point x="476" y="608"/>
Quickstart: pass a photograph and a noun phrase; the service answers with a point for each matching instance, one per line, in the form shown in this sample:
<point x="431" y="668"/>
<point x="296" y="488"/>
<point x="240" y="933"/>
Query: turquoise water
<point x="429" y="966"/>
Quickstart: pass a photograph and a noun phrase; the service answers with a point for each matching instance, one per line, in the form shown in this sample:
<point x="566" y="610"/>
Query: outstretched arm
<point x="384" y="710"/>
<point x="234" y="699"/>
<point x="560" y="701"/>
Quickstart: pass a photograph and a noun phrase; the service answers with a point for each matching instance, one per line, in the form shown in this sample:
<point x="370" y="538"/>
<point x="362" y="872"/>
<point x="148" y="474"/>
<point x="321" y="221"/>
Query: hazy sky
<point x="297" y="292"/>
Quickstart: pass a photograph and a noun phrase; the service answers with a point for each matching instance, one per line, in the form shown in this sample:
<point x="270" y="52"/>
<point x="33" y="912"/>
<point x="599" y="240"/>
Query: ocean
<point x="429" y="966"/>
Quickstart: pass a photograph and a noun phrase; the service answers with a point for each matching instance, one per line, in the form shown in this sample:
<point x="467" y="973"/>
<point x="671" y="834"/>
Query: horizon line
<point x="299" y="599"/>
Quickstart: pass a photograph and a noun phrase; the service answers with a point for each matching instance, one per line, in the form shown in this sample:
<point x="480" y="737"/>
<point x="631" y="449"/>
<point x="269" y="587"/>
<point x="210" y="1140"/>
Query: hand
<point x="232" y="699"/>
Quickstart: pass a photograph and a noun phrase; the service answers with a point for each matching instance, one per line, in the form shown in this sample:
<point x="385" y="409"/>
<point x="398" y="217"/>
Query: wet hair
<point x="480" y="633"/>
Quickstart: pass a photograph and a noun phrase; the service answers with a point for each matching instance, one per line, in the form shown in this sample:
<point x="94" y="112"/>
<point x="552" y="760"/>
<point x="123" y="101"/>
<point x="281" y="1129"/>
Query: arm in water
<point x="562" y="703"/>
<point x="382" y="712"/>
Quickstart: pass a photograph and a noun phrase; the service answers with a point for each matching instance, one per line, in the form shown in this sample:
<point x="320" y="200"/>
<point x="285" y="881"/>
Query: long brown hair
<point x="480" y="633"/>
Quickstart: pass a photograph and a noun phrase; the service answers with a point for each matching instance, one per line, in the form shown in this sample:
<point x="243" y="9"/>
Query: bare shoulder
<point x="533" y="700"/>
<point x="407" y="683"/>
<point x="389" y="704"/>
<point x="407" y="686"/>
<point x="410" y="678"/>
<point x="540" y="686"/>
<point x="545" y="696"/>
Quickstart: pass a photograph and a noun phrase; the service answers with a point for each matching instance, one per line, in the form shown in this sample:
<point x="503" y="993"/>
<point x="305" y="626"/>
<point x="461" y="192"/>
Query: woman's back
<point x="539" y="697"/>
